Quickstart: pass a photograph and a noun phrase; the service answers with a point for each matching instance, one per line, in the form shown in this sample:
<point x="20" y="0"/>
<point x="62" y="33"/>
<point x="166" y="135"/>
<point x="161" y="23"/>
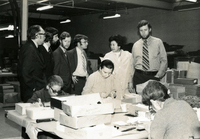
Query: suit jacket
<point x="73" y="59"/>
<point x="30" y="70"/>
<point x="48" y="60"/>
<point x="62" y="68"/>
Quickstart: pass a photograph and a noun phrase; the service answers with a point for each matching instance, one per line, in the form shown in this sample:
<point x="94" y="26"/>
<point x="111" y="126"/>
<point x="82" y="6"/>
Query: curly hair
<point x="120" y="40"/>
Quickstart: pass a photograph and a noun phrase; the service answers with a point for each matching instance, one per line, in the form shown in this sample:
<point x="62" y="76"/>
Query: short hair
<point x="78" y="38"/>
<point x="120" y="40"/>
<point x="143" y="23"/>
<point x="154" y="90"/>
<point x="108" y="64"/>
<point x="64" y="35"/>
<point x="51" y="30"/>
<point x="55" y="80"/>
<point x="48" y="37"/>
<point x="33" y="30"/>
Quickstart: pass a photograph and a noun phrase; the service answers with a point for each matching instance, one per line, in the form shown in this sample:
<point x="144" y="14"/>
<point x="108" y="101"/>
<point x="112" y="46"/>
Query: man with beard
<point x="61" y="61"/>
<point x="149" y="55"/>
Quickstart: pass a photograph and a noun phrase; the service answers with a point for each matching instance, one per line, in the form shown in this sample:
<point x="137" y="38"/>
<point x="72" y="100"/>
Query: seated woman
<point x="53" y="88"/>
<point x="174" y="119"/>
<point x="101" y="81"/>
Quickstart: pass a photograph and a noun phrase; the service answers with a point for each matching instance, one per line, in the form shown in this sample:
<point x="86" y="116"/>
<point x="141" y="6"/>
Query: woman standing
<point x="123" y="63"/>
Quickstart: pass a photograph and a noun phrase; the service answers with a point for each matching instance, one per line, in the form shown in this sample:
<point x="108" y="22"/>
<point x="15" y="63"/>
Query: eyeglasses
<point x="42" y="33"/>
<point x="54" y="91"/>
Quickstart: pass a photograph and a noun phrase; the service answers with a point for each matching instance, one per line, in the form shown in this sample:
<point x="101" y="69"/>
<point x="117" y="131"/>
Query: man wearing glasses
<point x="78" y="63"/>
<point x="31" y="64"/>
<point x="53" y="87"/>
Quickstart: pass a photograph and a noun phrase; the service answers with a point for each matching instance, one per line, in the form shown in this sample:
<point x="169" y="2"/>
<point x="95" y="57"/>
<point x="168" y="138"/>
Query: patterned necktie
<point x="83" y="61"/>
<point x="145" y="57"/>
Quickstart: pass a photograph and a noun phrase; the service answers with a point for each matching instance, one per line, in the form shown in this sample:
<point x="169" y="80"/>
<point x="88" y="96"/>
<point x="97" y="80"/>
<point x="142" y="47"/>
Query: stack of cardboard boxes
<point x="82" y="114"/>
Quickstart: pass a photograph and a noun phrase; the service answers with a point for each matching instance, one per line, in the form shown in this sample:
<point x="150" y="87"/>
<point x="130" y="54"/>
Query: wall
<point x="175" y="28"/>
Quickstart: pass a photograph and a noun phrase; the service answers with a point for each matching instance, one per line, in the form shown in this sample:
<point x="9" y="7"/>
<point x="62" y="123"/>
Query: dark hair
<point x="55" y="80"/>
<point x="120" y="40"/>
<point x="155" y="91"/>
<point x="48" y="37"/>
<point x="64" y="35"/>
<point x="143" y="23"/>
<point x="51" y="30"/>
<point x="33" y="30"/>
<point x="78" y="38"/>
<point x="107" y="63"/>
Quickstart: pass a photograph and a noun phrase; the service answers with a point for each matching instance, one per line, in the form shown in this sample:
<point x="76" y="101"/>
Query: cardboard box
<point x="40" y="113"/>
<point x="85" y="121"/>
<point x="86" y="105"/>
<point x="85" y="99"/>
<point x="96" y="132"/>
<point x="132" y="98"/>
<point x="86" y="110"/>
<point x="57" y="113"/>
<point x="21" y="107"/>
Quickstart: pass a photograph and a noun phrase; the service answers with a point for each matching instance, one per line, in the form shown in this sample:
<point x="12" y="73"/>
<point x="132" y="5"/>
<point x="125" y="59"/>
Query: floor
<point x="8" y="129"/>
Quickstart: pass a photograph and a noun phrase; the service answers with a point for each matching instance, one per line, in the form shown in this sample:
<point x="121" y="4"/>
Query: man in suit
<point x="61" y="62"/>
<point x="78" y="63"/>
<point x="47" y="54"/>
<point x="31" y="64"/>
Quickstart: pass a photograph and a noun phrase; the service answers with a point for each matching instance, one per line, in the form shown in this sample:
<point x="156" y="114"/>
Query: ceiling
<point x="69" y="8"/>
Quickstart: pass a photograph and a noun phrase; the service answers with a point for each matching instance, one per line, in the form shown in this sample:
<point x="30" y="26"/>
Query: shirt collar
<point x="35" y="43"/>
<point x="63" y="49"/>
<point x="46" y="46"/>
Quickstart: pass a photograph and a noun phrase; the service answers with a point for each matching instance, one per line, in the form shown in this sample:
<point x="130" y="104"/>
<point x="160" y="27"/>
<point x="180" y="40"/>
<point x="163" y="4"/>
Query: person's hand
<point x="130" y="88"/>
<point x="113" y="94"/>
<point x="74" y="79"/>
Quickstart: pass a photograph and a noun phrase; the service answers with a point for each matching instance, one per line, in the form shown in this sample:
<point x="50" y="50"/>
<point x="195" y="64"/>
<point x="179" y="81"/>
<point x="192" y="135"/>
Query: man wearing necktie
<point x="78" y="63"/>
<point x="31" y="63"/>
<point x="149" y="55"/>
<point x="61" y="61"/>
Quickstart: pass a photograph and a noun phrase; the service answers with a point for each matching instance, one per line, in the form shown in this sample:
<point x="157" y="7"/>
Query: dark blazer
<point x="48" y="60"/>
<point x="30" y="70"/>
<point x="73" y="59"/>
<point x="62" y="68"/>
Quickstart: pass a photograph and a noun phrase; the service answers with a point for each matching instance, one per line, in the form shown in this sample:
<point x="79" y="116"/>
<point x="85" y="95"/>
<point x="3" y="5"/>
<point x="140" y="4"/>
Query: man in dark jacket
<point x="31" y="64"/>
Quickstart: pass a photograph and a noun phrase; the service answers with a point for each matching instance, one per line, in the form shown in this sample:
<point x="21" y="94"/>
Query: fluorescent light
<point x="9" y="36"/>
<point x="66" y="21"/>
<point x="192" y="0"/>
<point x="113" y="16"/>
<point x="44" y="8"/>
<point x="10" y="27"/>
<point x="41" y="1"/>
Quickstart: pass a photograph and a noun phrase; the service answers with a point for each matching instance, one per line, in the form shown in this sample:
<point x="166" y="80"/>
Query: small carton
<point x="40" y="113"/>
<point x="85" y="121"/>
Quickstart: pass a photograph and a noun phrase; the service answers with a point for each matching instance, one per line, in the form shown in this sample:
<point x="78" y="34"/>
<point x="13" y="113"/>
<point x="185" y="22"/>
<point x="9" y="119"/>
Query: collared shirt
<point x="35" y="43"/>
<point x="97" y="84"/>
<point x="79" y="69"/>
<point x="63" y="49"/>
<point x="157" y="55"/>
<point x="46" y="47"/>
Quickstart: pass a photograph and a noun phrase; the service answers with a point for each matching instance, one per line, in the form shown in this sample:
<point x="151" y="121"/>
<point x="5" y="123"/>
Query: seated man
<point x="101" y="81"/>
<point x="174" y="119"/>
<point x="52" y="88"/>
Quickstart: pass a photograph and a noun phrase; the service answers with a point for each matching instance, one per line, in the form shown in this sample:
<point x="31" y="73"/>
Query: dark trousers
<point x="141" y="77"/>
<point x="78" y="87"/>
